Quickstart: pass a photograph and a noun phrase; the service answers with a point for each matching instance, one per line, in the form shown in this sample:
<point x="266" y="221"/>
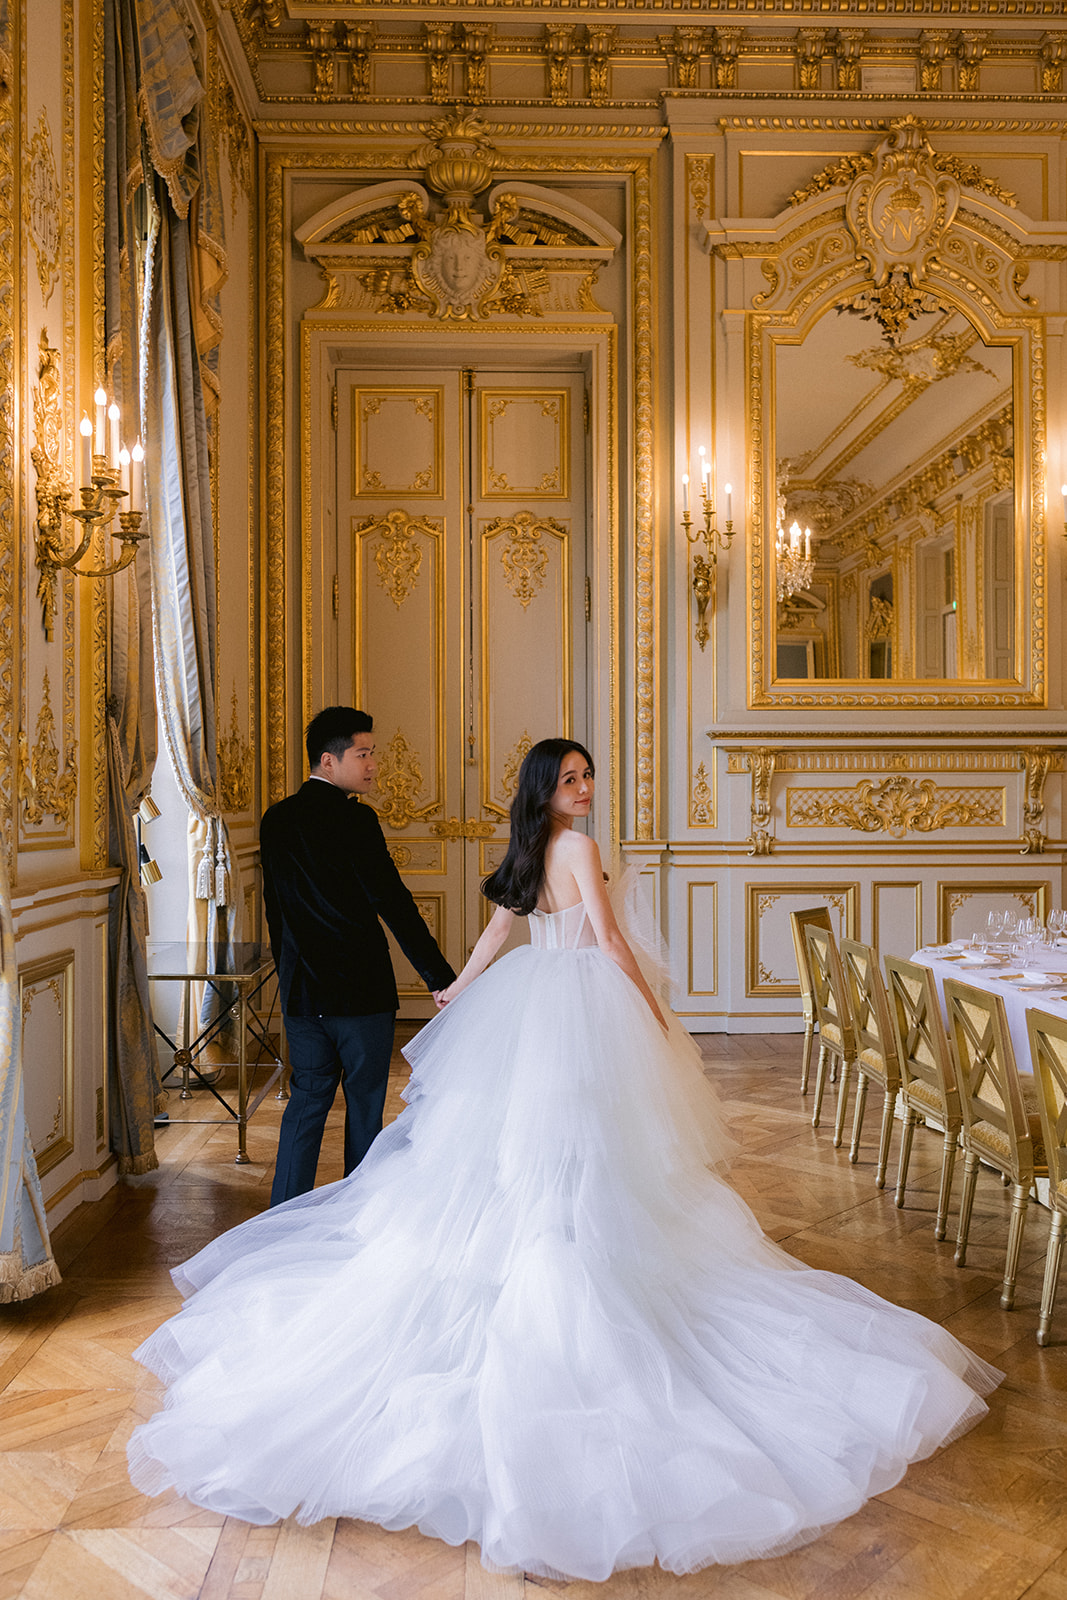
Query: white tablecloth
<point x="1017" y="994"/>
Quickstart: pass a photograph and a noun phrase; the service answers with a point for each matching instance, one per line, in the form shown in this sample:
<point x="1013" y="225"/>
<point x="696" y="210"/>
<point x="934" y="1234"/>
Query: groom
<point x="327" y="878"/>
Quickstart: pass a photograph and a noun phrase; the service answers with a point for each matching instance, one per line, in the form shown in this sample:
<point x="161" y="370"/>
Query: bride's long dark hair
<point x="516" y="883"/>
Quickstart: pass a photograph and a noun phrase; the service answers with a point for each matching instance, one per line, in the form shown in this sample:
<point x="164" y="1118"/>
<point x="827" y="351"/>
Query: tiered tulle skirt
<point x="535" y="1319"/>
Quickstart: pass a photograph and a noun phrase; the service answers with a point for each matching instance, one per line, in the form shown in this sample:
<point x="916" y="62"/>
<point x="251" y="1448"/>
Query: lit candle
<point x="1063" y="492"/>
<point x="685" y="493"/>
<point x="705" y="468"/>
<point x="85" y="428"/>
<point x="100" y="401"/>
<point x="794" y="536"/>
<point x="136" y="478"/>
<point x="113" y="418"/>
<point x="729" y="502"/>
<point x="124" y="470"/>
<point x="807" y="544"/>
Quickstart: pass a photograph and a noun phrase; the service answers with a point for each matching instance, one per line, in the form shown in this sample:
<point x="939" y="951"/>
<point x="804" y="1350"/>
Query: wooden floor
<point x="987" y="1518"/>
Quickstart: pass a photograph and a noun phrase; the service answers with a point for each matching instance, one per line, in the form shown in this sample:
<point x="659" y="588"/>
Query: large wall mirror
<point x="897" y="412"/>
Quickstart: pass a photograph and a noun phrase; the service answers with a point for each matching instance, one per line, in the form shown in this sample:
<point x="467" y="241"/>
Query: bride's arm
<point x="589" y="876"/>
<point x="496" y="931"/>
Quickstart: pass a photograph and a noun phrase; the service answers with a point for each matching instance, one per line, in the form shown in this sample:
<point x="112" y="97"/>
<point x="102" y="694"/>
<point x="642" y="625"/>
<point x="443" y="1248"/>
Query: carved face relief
<point x="457" y="270"/>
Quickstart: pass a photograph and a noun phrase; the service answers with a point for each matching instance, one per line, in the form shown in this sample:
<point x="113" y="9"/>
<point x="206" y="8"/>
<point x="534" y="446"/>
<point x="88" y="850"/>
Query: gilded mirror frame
<point x="824" y="254"/>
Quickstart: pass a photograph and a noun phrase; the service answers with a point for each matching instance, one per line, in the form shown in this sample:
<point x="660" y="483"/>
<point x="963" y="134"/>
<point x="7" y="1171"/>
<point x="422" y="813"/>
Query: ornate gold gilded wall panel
<point x="770" y="962"/>
<point x="962" y="907"/>
<point x="46" y="1005"/>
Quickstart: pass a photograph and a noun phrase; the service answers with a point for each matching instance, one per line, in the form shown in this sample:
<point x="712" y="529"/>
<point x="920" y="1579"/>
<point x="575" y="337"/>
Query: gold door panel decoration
<point x="457" y="828"/>
<point x="770" y="959"/>
<point x="398" y="445"/>
<point x="425" y="856"/>
<point x="525" y="444"/>
<point x="400" y="785"/>
<point x="397" y="553"/>
<point x="528" y="559"/>
<point x="896" y="805"/>
<point x="43" y="789"/>
<point x="962" y="908"/>
<point x="46" y="1008"/>
<point x="509" y="777"/>
<point x="701" y="799"/>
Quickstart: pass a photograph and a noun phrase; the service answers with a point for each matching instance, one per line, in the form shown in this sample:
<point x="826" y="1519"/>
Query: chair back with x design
<point x="813" y="917"/>
<point x="999" y="1128"/>
<point x="928" y="1084"/>
<point x="875" y="1042"/>
<point x="837" y="1036"/>
<point x="1048" y="1052"/>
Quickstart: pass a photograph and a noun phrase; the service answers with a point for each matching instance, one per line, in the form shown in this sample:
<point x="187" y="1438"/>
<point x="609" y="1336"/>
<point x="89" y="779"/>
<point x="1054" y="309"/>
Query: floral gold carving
<point x="43" y="206"/>
<point x="509" y="777"/>
<point x="52" y="494"/>
<point x="848" y="51"/>
<point x="30" y="992"/>
<point x="457" y="828"/>
<point x="811" y="43"/>
<point x="43" y="789"/>
<point x="897" y="805"/>
<point x="727" y="50"/>
<point x="600" y="39"/>
<point x="558" y="45"/>
<point x="933" y="48"/>
<point x="234" y="766"/>
<point x="761" y="764"/>
<point x="400" y="783"/>
<point x="397" y="557"/>
<point x="477" y="40"/>
<point x="1037" y="764"/>
<point x="401" y="855"/>
<point x="700" y="799"/>
<point x="524" y="558"/>
<point x="879" y="623"/>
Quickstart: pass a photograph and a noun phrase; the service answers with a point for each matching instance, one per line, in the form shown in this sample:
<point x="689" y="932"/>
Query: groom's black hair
<point x="332" y="729"/>
<point x="516" y="883"/>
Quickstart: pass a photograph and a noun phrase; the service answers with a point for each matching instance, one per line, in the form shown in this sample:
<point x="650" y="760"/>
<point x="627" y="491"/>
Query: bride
<point x="534" y="1316"/>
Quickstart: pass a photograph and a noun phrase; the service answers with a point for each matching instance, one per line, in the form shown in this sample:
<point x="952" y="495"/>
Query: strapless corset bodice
<point x="569" y="929"/>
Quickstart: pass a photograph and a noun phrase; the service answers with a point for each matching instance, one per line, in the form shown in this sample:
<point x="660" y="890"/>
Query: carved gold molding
<point x="1037" y="764"/>
<point x="42" y="206"/>
<point x="787" y="761"/>
<point x="896" y="806"/>
<point x="762" y="898"/>
<point x="9" y="344"/>
<point x="700" y="799"/>
<point x="53" y="976"/>
<point x="400" y="781"/>
<point x="761" y="764"/>
<point x="1032" y="899"/>
<point x="51" y="491"/>
<point x="397" y="558"/>
<point x="43" y="789"/>
<point x="234" y="767"/>
<point x="524" y="558"/>
<point x="509" y="776"/>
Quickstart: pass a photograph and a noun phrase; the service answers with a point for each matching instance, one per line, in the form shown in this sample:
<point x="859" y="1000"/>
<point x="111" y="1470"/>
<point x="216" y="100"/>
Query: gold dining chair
<point x="875" y="1042"/>
<point x="837" y="1036"/>
<point x="1048" y="1051"/>
<point x="816" y="917"/>
<point x="928" y="1086"/>
<point x="1000" y="1127"/>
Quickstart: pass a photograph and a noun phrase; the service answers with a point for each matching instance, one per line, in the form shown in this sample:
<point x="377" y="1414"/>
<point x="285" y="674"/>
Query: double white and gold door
<point x="462" y="533"/>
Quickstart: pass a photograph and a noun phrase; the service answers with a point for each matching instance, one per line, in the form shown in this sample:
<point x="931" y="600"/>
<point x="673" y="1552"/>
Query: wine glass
<point x="994" y="927"/>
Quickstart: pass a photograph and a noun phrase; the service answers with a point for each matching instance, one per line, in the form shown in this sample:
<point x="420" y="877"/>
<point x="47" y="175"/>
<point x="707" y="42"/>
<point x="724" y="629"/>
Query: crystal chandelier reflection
<point x="794" y="567"/>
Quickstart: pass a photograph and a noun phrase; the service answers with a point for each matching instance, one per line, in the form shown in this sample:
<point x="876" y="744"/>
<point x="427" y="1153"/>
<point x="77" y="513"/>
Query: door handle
<point x="455" y="828"/>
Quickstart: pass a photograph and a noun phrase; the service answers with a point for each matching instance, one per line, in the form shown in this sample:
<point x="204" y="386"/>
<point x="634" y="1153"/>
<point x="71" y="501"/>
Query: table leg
<point x="183" y="1057"/>
<point x="242" y="1156"/>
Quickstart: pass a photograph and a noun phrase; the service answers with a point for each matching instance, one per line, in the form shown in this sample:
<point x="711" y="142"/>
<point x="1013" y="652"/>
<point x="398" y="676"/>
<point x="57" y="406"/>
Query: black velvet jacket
<point x="327" y="878"/>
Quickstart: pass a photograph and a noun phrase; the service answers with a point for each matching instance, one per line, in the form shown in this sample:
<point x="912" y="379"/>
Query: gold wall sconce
<point x="110" y="474"/>
<point x="713" y="538"/>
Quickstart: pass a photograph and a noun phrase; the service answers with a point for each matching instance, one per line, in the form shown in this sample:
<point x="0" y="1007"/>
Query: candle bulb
<point x="136" y="477"/>
<point x="124" y="470"/>
<point x="807" y="544"/>
<point x="685" y="493"/>
<point x="705" y="468"/>
<point x="85" y="428"/>
<point x="729" y="502"/>
<point x="1063" y="492"/>
<point x="100" y="401"/>
<point x="113" y="418"/>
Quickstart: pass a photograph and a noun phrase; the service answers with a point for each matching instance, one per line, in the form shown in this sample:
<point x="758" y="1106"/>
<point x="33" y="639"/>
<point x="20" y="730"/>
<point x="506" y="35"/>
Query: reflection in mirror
<point x="898" y="455"/>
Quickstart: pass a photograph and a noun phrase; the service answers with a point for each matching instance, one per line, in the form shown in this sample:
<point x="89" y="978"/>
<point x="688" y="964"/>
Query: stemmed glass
<point x="994" y="927"/>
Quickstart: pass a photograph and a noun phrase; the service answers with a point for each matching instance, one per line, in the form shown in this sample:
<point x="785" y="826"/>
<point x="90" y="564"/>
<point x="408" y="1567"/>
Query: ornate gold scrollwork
<point x="234" y="766"/>
<point x="396" y="555"/>
<point x="43" y="207"/>
<point x="700" y="799"/>
<point x="524" y="558"/>
<point x="457" y="828"/>
<point x="761" y="764"/>
<point x="43" y="789"/>
<point x="52" y="495"/>
<point x="895" y="806"/>
<point x="509" y="778"/>
<point x="1037" y="764"/>
<point x="400" y="780"/>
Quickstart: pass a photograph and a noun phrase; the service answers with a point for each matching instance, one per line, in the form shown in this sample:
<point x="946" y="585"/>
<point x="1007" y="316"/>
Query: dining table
<point x="1023" y="978"/>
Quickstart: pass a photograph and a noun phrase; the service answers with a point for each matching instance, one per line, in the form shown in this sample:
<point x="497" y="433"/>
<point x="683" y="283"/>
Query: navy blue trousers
<point x="324" y="1052"/>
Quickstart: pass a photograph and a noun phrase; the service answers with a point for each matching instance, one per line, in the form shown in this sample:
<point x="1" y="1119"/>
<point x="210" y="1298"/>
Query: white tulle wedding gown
<point x="535" y="1319"/>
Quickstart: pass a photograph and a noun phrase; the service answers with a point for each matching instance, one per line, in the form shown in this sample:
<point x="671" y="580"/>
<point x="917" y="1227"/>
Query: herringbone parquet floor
<point x="985" y="1520"/>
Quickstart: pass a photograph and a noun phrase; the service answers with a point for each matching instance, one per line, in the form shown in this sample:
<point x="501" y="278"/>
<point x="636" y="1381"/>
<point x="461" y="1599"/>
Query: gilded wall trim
<point x="10" y="90"/>
<point x="833" y="761"/>
<point x="645" y="640"/>
<point x="896" y="805"/>
<point x="47" y="986"/>
<point x="95" y="846"/>
<point x="1032" y="898"/>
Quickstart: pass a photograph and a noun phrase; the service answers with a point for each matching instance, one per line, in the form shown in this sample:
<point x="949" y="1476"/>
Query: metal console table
<point x="238" y="992"/>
